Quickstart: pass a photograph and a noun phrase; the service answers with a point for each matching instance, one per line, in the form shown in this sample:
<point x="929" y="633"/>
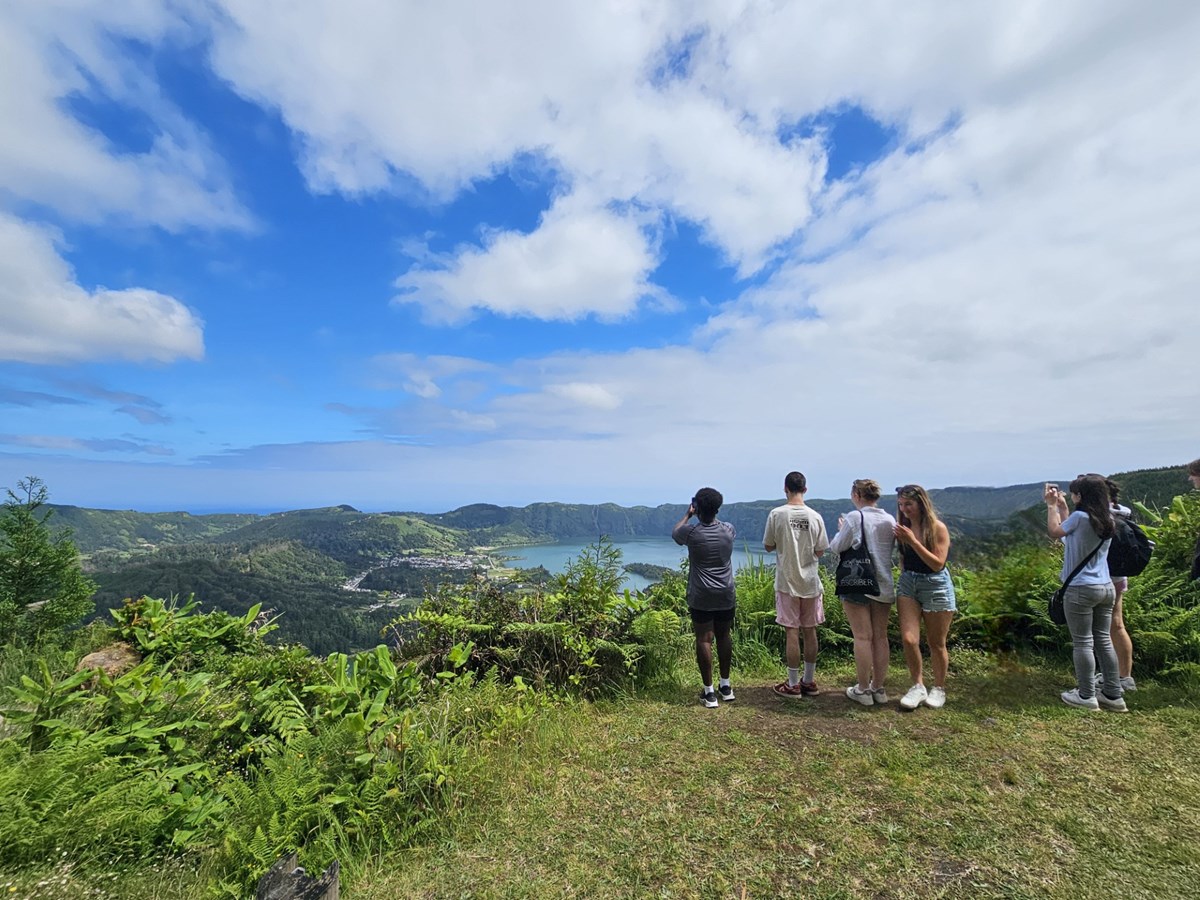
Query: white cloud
<point x="440" y="95"/>
<point x="51" y="52"/>
<point x="46" y="317"/>
<point x="420" y="375"/>
<point x="577" y="262"/>
<point x="588" y="395"/>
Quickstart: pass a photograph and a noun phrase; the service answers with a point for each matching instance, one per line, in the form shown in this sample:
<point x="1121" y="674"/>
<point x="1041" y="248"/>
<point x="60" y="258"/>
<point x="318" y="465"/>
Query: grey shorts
<point x="934" y="593"/>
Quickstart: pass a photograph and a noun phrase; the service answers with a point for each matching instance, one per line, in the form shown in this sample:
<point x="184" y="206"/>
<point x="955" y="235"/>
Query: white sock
<point x="793" y="677"/>
<point x="708" y="689"/>
<point x="810" y="671"/>
<point x="724" y="682"/>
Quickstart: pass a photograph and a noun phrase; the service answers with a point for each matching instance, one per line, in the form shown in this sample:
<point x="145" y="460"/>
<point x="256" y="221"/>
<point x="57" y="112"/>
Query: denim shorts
<point x="934" y="593"/>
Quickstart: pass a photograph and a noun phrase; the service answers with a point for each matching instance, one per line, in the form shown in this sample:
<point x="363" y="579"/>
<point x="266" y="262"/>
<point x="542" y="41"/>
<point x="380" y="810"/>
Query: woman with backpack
<point x="868" y="614"/>
<point x="1088" y="599"/>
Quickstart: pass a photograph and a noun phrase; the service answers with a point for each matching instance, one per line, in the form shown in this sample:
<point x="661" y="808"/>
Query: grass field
<point x="1005" y="792"/>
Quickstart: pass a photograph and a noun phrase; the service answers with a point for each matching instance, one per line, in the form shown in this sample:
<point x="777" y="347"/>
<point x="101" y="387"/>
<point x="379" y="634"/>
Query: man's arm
<point x="675" y="533"/>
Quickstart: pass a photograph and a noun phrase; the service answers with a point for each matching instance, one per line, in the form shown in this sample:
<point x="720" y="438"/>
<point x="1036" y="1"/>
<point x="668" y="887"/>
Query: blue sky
<point x="265" y="255"/>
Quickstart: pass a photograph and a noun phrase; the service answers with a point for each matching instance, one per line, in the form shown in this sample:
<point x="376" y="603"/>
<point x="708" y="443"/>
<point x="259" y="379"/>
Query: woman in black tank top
<point x="925" y="593"/>
<point x="911" y="562"/>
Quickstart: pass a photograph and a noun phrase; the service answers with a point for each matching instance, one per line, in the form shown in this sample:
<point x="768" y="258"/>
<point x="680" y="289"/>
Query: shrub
<point x="1003" y="607"/>
<point x="583" y="635"/>
<point x="221" y="743"/>
<point x="1162" y="606"/>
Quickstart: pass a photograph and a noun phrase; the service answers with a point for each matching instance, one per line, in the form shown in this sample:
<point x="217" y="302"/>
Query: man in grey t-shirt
<point x="710" y="590"/>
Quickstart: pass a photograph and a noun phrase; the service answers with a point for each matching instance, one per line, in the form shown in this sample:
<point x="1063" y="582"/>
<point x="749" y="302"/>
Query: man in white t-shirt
<point x="796" y="535"/>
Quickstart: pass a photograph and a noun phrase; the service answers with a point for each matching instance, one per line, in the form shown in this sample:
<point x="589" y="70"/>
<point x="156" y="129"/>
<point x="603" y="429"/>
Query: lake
<point x="654" y="550"/>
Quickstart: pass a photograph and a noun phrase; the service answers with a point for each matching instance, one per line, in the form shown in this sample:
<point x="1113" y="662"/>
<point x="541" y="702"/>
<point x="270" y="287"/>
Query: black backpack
<point x="1130" y="550"/>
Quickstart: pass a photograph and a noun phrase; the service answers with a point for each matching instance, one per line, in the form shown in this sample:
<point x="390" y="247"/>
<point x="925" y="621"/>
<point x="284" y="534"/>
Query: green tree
<point x="42" y="587"/>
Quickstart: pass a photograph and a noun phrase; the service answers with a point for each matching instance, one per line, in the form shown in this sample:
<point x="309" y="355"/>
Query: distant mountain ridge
<point x="350" y="536"/>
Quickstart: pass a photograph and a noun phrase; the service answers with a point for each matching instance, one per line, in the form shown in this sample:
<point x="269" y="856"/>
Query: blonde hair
<point x="867" y="488"/>
<point x="929" y="518"/>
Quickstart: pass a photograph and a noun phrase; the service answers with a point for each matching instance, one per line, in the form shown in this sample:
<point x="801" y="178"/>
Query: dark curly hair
<point x="707" y="501"/>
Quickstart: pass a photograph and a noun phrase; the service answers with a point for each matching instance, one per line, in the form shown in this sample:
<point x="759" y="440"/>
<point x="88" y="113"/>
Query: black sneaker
<point x="726" y="692"/>
<point x="709" y="699"/>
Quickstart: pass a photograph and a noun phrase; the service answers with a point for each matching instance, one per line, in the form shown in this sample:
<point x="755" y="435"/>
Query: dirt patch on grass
<point x="764" y="714"/>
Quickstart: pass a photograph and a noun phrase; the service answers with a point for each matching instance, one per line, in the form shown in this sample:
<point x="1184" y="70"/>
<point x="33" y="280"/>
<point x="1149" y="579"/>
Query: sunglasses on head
<point x="907" y="489"/>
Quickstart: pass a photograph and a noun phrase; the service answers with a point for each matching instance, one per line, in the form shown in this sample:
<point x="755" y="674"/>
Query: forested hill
<point x="340" y="532"/>
<point x="126" y="529"/>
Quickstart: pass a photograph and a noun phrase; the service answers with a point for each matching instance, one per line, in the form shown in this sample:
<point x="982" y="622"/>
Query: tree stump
<point x="286" y="881"/>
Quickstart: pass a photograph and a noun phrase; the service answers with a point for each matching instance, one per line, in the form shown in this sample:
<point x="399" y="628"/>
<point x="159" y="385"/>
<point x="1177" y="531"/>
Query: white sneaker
<point x="1072" y="698"/>
<point x="880" y="695"/>
<point x="936" y="698"/>
<point x="1127" y="682"/>
<point x="866" y="698"/>
<point x="915" y="697"/>
<point x="1117" y="705"/>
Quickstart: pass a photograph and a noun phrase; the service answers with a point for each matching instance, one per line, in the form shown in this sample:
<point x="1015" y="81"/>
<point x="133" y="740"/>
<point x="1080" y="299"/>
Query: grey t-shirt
<point x="710" y="566"/>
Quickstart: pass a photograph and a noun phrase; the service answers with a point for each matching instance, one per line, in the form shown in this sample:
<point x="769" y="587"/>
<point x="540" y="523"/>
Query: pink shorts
<point x="798" y="612"/>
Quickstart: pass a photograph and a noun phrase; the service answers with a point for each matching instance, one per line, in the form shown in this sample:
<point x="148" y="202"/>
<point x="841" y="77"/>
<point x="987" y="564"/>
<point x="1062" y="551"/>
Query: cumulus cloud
<point x="46" y="317"/>
<point x="577" y="262"/>
<point x="57" y="51"/>
<point x="406" y="96"/>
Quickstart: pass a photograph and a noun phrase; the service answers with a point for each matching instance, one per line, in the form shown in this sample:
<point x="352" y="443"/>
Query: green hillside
<point x="299" y="585"/>
<point x="347" y="535"/>
<point x="126" y="529"/>
<point x="1153" y="487"/>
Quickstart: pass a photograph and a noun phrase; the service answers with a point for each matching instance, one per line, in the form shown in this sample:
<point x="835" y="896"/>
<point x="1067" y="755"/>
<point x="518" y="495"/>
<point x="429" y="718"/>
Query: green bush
<point x="583" y="635"/>
<point x="1003" y="607"/>
<point x="1162" y="606"/>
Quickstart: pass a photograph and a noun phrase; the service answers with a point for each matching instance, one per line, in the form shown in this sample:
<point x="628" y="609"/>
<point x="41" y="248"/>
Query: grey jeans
<point x="1089" y="609"/>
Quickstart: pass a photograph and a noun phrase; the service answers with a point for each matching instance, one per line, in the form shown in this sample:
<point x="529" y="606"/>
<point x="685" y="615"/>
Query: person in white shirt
<point x="796" y="535"/>
<point x="868" y="615"/>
